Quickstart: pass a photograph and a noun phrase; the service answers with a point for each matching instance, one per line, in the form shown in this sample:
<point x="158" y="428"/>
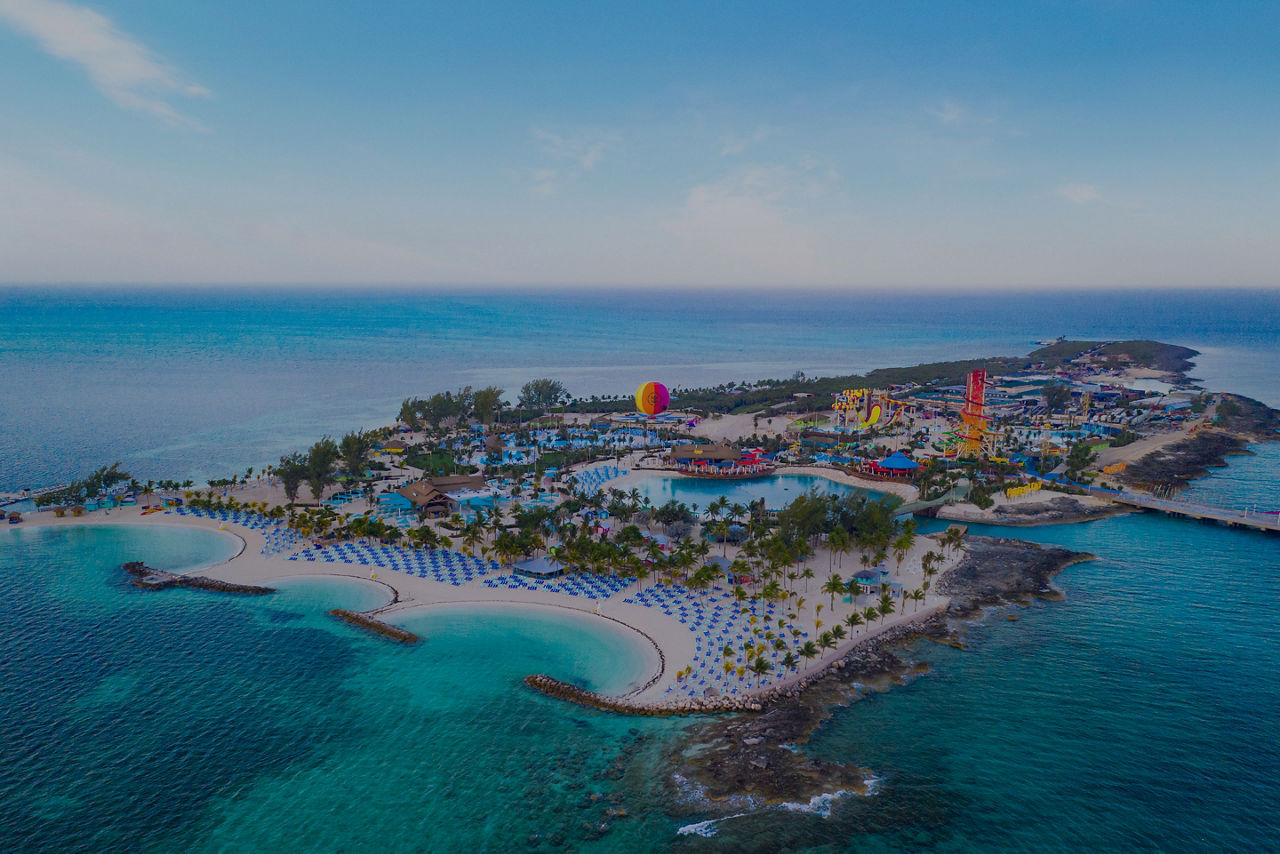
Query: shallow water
<point x="1136" y="713"/>
<point x="776" y="490"/>
<point x="180" y="719"/>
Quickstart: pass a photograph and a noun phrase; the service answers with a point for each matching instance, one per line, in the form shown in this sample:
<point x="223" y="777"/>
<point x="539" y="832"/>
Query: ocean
<point x="1137" y="713"/>
<point x="204" y="383"/>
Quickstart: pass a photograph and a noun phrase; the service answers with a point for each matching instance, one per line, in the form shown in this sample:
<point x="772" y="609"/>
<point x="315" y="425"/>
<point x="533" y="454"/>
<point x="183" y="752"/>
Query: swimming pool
<point x="777" y="490"/>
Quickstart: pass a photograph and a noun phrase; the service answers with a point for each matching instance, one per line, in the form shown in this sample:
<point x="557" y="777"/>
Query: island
<point x="762" y="543"/>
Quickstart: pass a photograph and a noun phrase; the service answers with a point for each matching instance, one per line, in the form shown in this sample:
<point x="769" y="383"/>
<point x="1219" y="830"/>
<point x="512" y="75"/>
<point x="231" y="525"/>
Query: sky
<point x="849" y="145"/>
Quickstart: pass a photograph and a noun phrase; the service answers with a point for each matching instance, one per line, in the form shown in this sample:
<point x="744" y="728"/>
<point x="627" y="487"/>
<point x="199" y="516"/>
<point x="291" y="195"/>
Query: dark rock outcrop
<point x="1247" y="418"/>
<point x="1237" y="422"/>
<point x="157" y="579"/>
<point x="364" y="621"/>
<point x="753" y="757"/>
<point x="1057" y="510"/>
<point x="998" y="570"/>
<point x="1184" y="460"/>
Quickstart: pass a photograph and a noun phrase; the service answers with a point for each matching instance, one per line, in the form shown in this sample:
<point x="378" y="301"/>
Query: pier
<point x="1229" y="516"/>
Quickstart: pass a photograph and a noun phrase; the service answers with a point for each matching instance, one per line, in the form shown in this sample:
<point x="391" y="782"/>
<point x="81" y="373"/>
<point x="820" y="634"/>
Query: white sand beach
<point x="670" y="645"/>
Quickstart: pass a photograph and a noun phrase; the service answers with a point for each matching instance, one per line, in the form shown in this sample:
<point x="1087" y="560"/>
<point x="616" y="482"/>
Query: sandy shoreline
<point x="668" y="645"/>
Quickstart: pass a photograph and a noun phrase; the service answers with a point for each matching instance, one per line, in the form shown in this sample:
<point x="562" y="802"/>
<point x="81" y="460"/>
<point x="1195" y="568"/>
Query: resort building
<point x="458" y="482"/>
<point x="691" y="453"/>
<point x="539" y="567"/>
<point x="421" y="497"/>
<point x="719" y="460"/>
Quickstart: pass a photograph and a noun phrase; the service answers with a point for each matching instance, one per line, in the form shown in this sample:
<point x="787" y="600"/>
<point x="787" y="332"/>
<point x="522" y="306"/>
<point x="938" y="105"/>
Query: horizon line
<point x="666" y="287"/>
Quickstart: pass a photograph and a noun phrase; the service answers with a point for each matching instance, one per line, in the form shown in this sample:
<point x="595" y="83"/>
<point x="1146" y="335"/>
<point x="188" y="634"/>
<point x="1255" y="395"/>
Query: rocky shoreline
<point x="1001" y="571"/>
<point x="1237" y="422"/>
<point x="711" y="704"/>
<point x="157" y="579"/>
<point x="1060" y="510"/>
<point x="750" y="758"/>
<point x="1185" y="460"/>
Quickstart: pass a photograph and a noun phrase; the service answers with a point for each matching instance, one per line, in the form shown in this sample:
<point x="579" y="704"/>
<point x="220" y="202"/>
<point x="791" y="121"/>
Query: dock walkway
<point x="1230" y="516"/>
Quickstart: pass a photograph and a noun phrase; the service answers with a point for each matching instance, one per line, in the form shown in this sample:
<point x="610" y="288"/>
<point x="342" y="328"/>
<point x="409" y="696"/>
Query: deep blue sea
<point x="1139" y="713"/>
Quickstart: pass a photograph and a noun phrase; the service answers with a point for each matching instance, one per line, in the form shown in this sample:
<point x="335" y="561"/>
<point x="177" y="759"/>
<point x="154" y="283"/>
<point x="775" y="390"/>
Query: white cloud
<point x="584" y="149"/>
<point x="950" y="112"/>
<point x="123" y="69"/>
<point x="733" y="144"/>
<point x="544" y="181"/>
<point x="1080" y="194"/>
<point x="750" y="227"/>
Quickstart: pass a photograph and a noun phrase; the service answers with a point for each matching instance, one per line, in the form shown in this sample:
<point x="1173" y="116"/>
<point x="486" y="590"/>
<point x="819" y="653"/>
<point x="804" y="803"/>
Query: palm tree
<point x="826" y="640"/>
<point x="853" y="620"/>
<point x="953" y="538"/>
<point x="885" y="607"/>
<point x="835" y="586"/>
<point x="839" y="542"/>
<point x="917" y="596"/>
<point x="760" y="666"/>
<point x="838" y="632"/>
<point x="789" y="661"/>
<point x="870" y="613"/>
<point x="808" y="651"/>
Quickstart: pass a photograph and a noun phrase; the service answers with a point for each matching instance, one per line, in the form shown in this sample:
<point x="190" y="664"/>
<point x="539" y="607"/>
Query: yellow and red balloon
<point x="652" y="398"/>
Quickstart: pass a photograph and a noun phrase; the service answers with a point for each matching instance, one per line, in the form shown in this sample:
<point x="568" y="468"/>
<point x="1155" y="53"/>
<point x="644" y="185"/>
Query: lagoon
<point x="209" y="722"/>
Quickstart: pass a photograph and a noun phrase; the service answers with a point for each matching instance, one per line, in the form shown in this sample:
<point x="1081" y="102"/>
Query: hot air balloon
<point x="652" y="398"/>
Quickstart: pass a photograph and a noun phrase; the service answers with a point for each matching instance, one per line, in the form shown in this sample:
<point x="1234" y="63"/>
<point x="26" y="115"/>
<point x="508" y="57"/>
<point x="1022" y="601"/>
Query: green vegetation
<point x="91" y="487"/>
<point x="980" y="495"/>
<point x="777" y="397"/>
<point x="1080" y="457"/>
<point x="435" y="461"/>
<point x="1151" y="354"/>
<point x="542" y="395"/>
<point x="1124" y="437"/>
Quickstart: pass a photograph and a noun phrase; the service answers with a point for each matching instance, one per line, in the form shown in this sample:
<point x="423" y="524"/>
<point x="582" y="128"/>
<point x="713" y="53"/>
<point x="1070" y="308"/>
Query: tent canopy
<point x="899" y="461"/>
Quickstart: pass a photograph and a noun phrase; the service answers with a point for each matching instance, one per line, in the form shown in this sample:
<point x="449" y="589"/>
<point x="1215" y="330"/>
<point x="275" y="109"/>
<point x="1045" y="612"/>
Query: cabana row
<point x="587" y="585"/>
<point x="716" y="620"/>
<point x="447" y="567"/>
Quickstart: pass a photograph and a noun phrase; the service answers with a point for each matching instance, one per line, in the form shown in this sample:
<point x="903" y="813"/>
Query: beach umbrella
<point x="652" y="398"/>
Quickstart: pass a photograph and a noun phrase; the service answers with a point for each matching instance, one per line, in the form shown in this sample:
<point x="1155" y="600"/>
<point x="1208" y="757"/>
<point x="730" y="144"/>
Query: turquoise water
<point x="1138" y="714"/>
<point x="180" y="720"/>
<point x="1248" y="482"/>
<point x="776" y="490"/>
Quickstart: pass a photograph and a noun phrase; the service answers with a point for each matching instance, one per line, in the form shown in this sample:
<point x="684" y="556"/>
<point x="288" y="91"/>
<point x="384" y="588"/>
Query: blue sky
<point x="847" y="145"/>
